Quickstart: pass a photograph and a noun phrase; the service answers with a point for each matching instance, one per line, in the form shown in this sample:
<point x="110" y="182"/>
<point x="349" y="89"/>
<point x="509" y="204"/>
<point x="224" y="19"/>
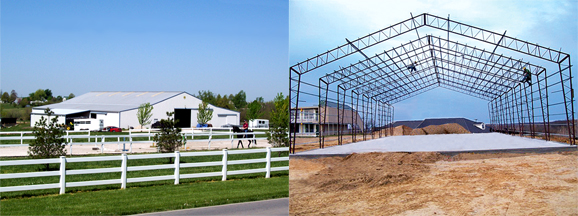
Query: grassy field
<point x="132" y="174"/>
<point x="150" y="199"/>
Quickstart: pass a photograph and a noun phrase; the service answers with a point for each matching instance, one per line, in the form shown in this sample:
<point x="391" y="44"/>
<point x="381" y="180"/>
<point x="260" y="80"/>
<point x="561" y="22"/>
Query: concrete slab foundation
<point x="441" y="143"/>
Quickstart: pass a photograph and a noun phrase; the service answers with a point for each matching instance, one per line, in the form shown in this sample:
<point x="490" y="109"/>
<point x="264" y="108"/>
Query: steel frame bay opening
<point x="356" y="100"/>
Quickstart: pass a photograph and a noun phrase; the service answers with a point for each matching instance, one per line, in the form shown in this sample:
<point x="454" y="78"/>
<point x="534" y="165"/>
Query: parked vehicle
<point x="112" y="129"/>
<point x="230" y="126"/>
<point x="157" y="125"/>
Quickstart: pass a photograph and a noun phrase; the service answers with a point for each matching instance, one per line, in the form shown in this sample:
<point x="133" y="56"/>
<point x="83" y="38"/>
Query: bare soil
<point x="426" y="183"/>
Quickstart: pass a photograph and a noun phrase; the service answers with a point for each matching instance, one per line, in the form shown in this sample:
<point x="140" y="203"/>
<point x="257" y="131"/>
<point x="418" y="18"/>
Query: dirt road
<point x="428" y="183"/>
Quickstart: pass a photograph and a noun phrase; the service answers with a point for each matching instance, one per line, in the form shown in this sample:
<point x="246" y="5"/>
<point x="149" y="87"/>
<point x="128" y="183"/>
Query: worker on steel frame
<point x="411" y="67"/>
<point x="527" y="76"/>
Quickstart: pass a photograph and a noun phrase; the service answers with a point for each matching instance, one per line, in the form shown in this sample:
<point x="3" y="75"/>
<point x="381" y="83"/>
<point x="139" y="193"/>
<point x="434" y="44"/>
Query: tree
<point x="240" y="100"/>
<point x="169" y="139"/>
<point x="23" y="102"/>
<point x="278" y="134"/>
<point x="205" y="114"/>
<point x="5" y="97"/>
<point x="59" y="98"/>
<point x="260" y="100"/>
<point x="224" y="102"/>
<point x="254" y="111"/>
<point x="144" y="114"/>
<point x="207" y="96"/>
<point x="13" y="96"/>
<point x="49" y="141"/>
<point x="39" y="95"/>
<point x="48" y="94"/>
<point x="70" y="96"/>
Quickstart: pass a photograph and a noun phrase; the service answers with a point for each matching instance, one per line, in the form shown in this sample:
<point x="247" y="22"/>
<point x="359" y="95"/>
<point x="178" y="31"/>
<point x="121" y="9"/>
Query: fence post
<point x="124" y="169"/>
<point x="225" y="153"/>
<point x="268" y="166"/>
<point x="70" y="144"/>
<point x="62" y="174"/>
<point x="21" y="138"/>
<point x="210" y="137"/>
<point x="177" y="166"/>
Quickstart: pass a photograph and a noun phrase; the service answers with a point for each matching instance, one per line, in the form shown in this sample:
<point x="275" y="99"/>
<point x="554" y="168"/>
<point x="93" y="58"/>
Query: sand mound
<point x="401" y="130"/>
<point x="373" y="169"/>
<point x="451" y="128"/>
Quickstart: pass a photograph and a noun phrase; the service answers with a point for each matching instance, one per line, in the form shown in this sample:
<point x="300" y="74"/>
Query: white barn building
<point x="95" y="110"/>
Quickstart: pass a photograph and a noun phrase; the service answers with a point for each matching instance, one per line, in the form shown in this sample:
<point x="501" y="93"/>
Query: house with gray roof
<point x="102" y="109"/>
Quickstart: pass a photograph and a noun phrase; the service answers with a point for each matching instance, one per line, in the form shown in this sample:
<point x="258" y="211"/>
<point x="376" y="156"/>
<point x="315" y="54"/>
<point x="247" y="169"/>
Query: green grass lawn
<point x="149" y="199"/>
<point x="130" y="174"/>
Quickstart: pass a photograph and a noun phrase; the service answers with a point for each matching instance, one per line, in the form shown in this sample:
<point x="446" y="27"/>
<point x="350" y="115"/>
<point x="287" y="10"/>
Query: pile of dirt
<point x="451" y="128"/>
<point x="428" y="183"/>
<point x="373" y="169"/>
<point x="401" y="130"/>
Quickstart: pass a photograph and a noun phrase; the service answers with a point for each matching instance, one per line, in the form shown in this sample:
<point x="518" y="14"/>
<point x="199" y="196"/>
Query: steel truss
<point x="372" y="85"/>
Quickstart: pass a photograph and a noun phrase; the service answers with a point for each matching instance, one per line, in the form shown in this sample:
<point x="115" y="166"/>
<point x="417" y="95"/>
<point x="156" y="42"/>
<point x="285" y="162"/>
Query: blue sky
<point x="81" y="46"/>
<point x="321" y="25"/>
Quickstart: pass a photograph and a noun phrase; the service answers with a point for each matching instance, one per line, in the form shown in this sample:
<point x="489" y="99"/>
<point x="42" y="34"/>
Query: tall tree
<point x="254" y="111"/>
<point x="205" y="114"/>
<point x="49" y="141"/>
<point x="144" y="114"/>
<point x="240" y="100"/>
<point x="278" y="134"/>
<point x="70" y="96"/>
<point x="5" y="97"/>
<point x="48" y="94"/>
<point x="13" y="96"/>
<point x="169" y="139"/>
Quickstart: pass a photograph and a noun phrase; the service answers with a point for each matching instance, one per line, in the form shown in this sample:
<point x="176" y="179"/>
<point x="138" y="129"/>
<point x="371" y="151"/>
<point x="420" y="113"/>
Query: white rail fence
<point x="124" y="169"/>
<point x="128" y="139"/>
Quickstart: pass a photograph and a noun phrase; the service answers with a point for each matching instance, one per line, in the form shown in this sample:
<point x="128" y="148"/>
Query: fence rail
<point x="129" y="138"/>
<point x="124" y="168"/>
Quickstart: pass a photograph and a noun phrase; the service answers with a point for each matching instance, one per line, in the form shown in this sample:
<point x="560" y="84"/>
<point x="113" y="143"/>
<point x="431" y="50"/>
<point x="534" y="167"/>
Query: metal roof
<point x="60" y="111"/>
<point x="113" y="101"/>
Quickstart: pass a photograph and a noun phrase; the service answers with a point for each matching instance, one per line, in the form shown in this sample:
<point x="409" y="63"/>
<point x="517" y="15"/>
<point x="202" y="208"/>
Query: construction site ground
<point x="430" y="183"/>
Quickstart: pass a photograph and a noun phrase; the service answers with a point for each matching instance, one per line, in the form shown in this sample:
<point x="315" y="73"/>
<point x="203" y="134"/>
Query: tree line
<point x="14" y="106"/>
<point x="256" y="109"/>
<point x="39" y="97"/>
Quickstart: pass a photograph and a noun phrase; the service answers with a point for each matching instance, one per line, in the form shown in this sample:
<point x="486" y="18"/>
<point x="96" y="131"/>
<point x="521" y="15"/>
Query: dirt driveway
<point x="428" y="183"/>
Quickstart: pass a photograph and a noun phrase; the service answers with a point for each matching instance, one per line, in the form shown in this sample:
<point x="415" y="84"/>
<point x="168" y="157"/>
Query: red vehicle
<point x="112" y="129"/>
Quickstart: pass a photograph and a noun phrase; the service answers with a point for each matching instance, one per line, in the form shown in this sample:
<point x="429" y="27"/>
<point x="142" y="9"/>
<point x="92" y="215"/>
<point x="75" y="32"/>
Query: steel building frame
<point x="372" y="85"/>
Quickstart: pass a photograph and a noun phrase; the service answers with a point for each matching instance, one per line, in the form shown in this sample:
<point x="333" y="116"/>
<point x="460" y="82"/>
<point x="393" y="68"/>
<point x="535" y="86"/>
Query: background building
<point x="308" y="120"/>
<point x="101" y="109"/>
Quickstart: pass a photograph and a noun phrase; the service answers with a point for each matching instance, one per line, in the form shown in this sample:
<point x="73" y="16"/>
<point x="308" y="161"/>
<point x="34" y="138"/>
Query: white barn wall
<point x="111" y="119"/>
<point x="36" y="117"/>
<point x="182" y="101"/>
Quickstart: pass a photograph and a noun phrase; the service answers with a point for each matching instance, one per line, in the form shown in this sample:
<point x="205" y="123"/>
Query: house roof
<point x="113" y="101"/>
